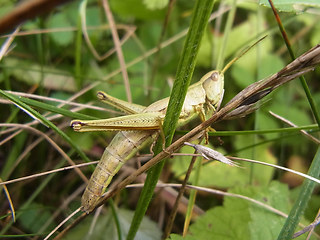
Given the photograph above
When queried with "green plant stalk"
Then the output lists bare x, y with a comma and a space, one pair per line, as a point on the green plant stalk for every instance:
16, 149
193, 194
226, 35
184, 73
262, 131
255, 139
115, 217
46, 122
300, 204
297, 210
293, 57
40, 51
77, 54
14, 111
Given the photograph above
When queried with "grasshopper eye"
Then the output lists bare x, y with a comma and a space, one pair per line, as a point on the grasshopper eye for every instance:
214, 76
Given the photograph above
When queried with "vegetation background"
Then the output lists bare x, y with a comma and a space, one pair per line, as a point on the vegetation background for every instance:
58, 57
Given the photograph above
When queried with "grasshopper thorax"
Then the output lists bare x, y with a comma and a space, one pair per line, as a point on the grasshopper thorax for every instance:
213, 83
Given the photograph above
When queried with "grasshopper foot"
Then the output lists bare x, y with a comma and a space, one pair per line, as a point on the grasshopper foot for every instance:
77, 125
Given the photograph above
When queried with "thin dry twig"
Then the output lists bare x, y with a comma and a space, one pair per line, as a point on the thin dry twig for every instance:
27, 10
5, 49
63, 222
48, 172
278, 167
65, 102
304, 132
129, 32
117, 45
174, 210
308, 228
128, 28
36, 131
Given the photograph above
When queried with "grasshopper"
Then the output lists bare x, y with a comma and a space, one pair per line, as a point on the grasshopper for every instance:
141, 126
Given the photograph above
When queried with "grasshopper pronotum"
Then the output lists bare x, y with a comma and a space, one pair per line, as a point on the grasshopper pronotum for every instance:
141, 126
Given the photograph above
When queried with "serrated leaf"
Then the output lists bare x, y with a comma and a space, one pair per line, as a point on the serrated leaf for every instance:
240, 219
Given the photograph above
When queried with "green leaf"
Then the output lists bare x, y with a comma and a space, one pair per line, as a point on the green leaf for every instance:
60, 20
83, 140
261, 174
136, 9
32, 74
296, 115
240, 219
155, 4
291, 5
301, 203
105, 228
34, 217
244, 71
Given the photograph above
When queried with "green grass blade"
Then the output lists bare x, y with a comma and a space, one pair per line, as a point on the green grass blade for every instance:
227, 30
184, 73
78, 54
193, 195
115, 217
302, 201
44, 121
55, 109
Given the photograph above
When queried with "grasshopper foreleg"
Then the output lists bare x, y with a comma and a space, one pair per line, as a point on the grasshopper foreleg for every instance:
129, 108
202, 116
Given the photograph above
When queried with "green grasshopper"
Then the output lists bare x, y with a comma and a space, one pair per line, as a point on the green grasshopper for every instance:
141, 126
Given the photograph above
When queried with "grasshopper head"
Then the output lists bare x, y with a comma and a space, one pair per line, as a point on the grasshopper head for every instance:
213, 83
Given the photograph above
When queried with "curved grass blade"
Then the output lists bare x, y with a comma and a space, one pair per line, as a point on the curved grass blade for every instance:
5, 189
302, 200
55, 109
185, 69
44, 121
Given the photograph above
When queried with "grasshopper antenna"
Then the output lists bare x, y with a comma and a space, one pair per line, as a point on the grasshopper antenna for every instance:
241, 54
